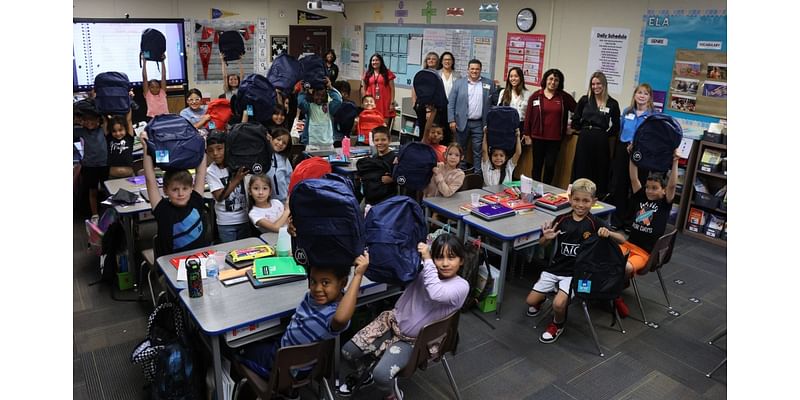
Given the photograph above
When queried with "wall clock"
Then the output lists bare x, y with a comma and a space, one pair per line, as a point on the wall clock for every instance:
526, 19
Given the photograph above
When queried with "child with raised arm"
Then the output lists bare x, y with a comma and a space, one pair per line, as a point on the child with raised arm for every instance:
438, 290
266, 213
570, 230
651, 204
434, 134
94, 164
230, 197
155, 94
120, 146
325, 101
281, 171
499, 168
324, 313
179, 217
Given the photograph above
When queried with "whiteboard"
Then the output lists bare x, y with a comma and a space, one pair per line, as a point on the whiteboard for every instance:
403, 47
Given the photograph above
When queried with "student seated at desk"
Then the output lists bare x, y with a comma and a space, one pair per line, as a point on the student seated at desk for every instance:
447, 177
571, 229
324, 313
181, 225
230, 197
266, 213
440, 289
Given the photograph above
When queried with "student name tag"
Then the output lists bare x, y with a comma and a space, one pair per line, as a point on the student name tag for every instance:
584, 286
146, 54
162, 156
249, 110
211, 125
604, 110
536, 103
362, 138
630, 117
485, 86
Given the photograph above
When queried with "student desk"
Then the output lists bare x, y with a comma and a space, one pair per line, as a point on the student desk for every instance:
450, 207
241, 305
171, 273
516, 232
270, 238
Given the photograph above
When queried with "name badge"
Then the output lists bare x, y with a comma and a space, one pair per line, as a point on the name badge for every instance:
604, 110
211, 125
485, 86
584, 286
536, 103
249, 110
162, 156
630, 117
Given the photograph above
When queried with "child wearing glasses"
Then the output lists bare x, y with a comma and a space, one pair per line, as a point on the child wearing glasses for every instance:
196, 110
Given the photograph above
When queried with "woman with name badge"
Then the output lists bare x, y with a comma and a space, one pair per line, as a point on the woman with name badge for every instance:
378, 82
597, 119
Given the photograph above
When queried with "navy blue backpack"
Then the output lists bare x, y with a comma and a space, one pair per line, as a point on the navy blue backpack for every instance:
393, 229
328, 221
429, 88
284, 72
111, 93
415, 163
256, 91
231, 45
501, 123
344, 118
153, 45
174, 143
599, 271
313, 71
655, 142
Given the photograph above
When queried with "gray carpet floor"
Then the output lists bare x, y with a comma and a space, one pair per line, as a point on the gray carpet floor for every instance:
668, 362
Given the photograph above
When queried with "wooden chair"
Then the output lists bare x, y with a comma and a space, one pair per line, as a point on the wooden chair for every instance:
317, 355
433, 341
660, 255
471, 181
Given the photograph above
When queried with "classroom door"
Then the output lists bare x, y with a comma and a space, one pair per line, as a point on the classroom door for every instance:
309, 39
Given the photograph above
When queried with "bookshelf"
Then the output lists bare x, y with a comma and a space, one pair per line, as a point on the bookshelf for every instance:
714, 178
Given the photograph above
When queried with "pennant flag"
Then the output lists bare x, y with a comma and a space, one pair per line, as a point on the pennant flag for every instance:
217, 13
207, 32
303, 16
251, 29
205, 56
216, 37
197, 27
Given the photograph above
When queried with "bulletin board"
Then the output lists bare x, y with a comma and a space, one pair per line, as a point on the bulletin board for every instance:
699, 83
664, 33
403, 48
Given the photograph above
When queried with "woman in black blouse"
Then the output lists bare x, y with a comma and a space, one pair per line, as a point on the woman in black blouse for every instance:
596, 119
331, 69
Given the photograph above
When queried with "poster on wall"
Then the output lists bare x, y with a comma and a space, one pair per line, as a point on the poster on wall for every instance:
608, 50
349, 59
278, 45
525, 51
664, 33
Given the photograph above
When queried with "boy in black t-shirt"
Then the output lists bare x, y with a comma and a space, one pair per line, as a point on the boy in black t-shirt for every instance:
571, 230
179, 217
652, 204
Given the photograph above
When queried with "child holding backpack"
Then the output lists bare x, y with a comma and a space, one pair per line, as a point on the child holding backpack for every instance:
266, 213
571, 230
440, 289
155, 96
281, 170
499, 169
230, 199
376, 189
179, 217
120, 146
318, 129
434, 134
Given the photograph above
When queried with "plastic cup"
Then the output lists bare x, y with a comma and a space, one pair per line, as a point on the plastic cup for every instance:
476, 199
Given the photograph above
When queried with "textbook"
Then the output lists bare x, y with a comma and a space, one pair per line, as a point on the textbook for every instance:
242, 258
517, 204
275, 271
553, 202
493, 211
507, 194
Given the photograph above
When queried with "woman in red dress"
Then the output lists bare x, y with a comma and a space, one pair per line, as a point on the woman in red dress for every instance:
378, 82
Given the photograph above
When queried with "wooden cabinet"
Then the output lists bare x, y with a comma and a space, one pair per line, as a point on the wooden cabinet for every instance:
714, 178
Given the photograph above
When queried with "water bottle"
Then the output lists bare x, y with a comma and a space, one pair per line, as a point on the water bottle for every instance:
212, 271
284, 245
194, 277
346, 146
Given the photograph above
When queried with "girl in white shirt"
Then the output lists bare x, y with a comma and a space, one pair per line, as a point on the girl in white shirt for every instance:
268, 215
499, 168
515, 94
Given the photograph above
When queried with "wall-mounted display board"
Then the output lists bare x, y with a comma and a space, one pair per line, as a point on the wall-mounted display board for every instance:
664, 33
699, 83
403, 48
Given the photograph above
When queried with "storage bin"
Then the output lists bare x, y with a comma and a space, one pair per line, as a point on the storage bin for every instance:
706, 200
124, 280
488, 304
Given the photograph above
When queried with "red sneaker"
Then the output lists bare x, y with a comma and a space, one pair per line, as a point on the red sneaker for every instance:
622, 308
551, 333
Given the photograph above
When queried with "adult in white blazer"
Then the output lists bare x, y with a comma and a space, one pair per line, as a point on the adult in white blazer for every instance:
468, 104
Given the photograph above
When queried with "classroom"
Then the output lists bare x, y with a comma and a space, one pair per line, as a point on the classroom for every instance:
545, 156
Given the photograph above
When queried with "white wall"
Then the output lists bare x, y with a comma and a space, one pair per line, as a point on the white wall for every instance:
566, 23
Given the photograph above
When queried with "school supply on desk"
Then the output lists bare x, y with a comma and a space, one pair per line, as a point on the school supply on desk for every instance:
176, 261
552, 201
124, 197
338, 159
244, 257
517, 204
491, 212
275, 271
137, 180
507, 194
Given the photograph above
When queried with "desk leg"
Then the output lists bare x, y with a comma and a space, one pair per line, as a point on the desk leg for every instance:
460, 229
133, 268
501, 280
217, 356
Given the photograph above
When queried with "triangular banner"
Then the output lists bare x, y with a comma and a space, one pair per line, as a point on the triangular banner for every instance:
217, 13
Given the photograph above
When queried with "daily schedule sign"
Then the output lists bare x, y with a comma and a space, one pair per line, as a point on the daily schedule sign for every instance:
608, 49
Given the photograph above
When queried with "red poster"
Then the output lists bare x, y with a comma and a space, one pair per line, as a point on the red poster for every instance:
526, 51
205, 56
